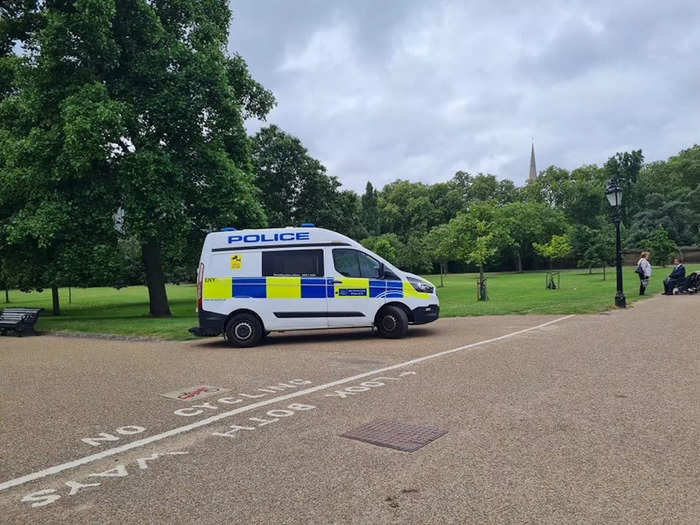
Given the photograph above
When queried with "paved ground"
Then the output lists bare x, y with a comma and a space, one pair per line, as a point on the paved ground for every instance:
585, 419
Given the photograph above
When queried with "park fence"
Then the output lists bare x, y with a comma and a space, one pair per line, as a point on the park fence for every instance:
691, 254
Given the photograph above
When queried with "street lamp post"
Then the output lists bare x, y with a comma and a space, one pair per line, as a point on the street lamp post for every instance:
614, 195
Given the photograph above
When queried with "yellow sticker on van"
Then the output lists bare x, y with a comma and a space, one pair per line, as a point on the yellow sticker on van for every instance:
236, 261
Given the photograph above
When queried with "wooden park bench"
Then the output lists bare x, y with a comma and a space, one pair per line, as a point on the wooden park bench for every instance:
19, 320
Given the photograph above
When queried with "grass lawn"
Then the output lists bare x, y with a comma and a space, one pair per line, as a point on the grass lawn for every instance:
125, 311
112, 311
525, 293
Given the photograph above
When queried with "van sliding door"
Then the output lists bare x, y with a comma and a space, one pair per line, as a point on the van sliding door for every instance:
295, 288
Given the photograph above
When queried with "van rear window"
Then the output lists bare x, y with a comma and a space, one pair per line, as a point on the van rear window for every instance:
303, 263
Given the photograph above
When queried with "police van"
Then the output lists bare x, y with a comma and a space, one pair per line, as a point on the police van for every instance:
253, 282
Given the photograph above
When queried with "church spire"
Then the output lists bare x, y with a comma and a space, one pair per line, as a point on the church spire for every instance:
533, 167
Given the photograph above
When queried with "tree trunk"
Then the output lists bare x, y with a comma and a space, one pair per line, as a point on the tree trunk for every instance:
590, 269
7, 295
482, 286
442, 274
603, 271
70, 296
518, 262
55, 301
155, 280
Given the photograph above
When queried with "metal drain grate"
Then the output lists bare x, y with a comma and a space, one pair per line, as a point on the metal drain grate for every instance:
392, 434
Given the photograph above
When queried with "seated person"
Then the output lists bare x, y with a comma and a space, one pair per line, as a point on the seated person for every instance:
675, 278
692, 283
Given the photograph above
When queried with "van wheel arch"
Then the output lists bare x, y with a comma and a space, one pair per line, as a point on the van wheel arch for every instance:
242, 311
243, 329
405, 308
392, 321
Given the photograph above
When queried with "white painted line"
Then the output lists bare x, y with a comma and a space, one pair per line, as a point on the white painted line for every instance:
223, 415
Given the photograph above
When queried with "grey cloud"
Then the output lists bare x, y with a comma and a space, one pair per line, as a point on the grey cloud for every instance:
382, 90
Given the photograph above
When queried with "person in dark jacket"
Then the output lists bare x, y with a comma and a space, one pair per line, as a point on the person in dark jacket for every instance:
675, 278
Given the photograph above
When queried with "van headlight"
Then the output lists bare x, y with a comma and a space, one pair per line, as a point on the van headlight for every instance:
420, 285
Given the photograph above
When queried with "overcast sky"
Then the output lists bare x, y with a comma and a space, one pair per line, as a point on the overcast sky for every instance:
418, 90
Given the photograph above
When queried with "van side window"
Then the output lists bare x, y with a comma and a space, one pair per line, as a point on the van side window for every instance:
353, 263
389, 275
296, 263
369, 267
346, 263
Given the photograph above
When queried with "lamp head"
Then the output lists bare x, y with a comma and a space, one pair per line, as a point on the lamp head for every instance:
614, 194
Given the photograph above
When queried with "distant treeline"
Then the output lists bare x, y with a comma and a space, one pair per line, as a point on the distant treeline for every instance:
562, 216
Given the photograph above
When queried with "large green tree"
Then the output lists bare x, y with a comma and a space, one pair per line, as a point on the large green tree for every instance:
295, 187
594, 246
528, 222
129, 108
661, 246
552, 187
558, 247
370, 211
484, 187
441, 248
387, 245
5, 281
579, 193
406, 207
347, 215
477, 236
625, 168
447, 199
57, 129
667, 193
687, 166
674, 212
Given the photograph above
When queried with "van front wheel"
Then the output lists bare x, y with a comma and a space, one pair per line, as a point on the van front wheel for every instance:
392, 322
244, 330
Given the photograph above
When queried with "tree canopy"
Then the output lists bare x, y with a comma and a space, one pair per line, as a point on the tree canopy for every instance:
129, 108
558, 247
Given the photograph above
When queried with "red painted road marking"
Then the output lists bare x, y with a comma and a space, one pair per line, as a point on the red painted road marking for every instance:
192, 394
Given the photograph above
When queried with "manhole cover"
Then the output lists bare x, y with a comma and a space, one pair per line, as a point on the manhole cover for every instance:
392, 434
192, 393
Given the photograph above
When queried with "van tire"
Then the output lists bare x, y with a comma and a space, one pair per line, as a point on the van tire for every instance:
243, 331
392, 322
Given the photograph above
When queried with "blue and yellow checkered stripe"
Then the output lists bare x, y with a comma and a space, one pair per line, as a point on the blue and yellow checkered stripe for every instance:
304, 288
267, 288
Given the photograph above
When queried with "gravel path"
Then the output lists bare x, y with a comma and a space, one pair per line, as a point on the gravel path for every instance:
587, 419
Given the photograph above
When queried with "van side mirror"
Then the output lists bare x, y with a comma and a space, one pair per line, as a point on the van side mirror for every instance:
381, 271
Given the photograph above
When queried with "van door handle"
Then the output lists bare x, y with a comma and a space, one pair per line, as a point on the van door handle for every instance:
337, 282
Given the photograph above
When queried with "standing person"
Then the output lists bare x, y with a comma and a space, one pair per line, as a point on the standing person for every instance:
644, 272
675, 278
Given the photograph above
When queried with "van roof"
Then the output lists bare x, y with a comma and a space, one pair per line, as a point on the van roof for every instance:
252, 238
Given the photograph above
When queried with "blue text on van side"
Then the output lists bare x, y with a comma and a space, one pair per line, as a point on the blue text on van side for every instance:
269, 237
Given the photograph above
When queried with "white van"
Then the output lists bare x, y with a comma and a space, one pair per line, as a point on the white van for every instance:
253, 282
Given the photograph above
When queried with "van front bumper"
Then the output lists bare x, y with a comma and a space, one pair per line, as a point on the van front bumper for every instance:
425, 314
210, 324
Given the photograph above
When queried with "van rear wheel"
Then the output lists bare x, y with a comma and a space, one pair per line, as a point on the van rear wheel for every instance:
392, 322
244, 330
